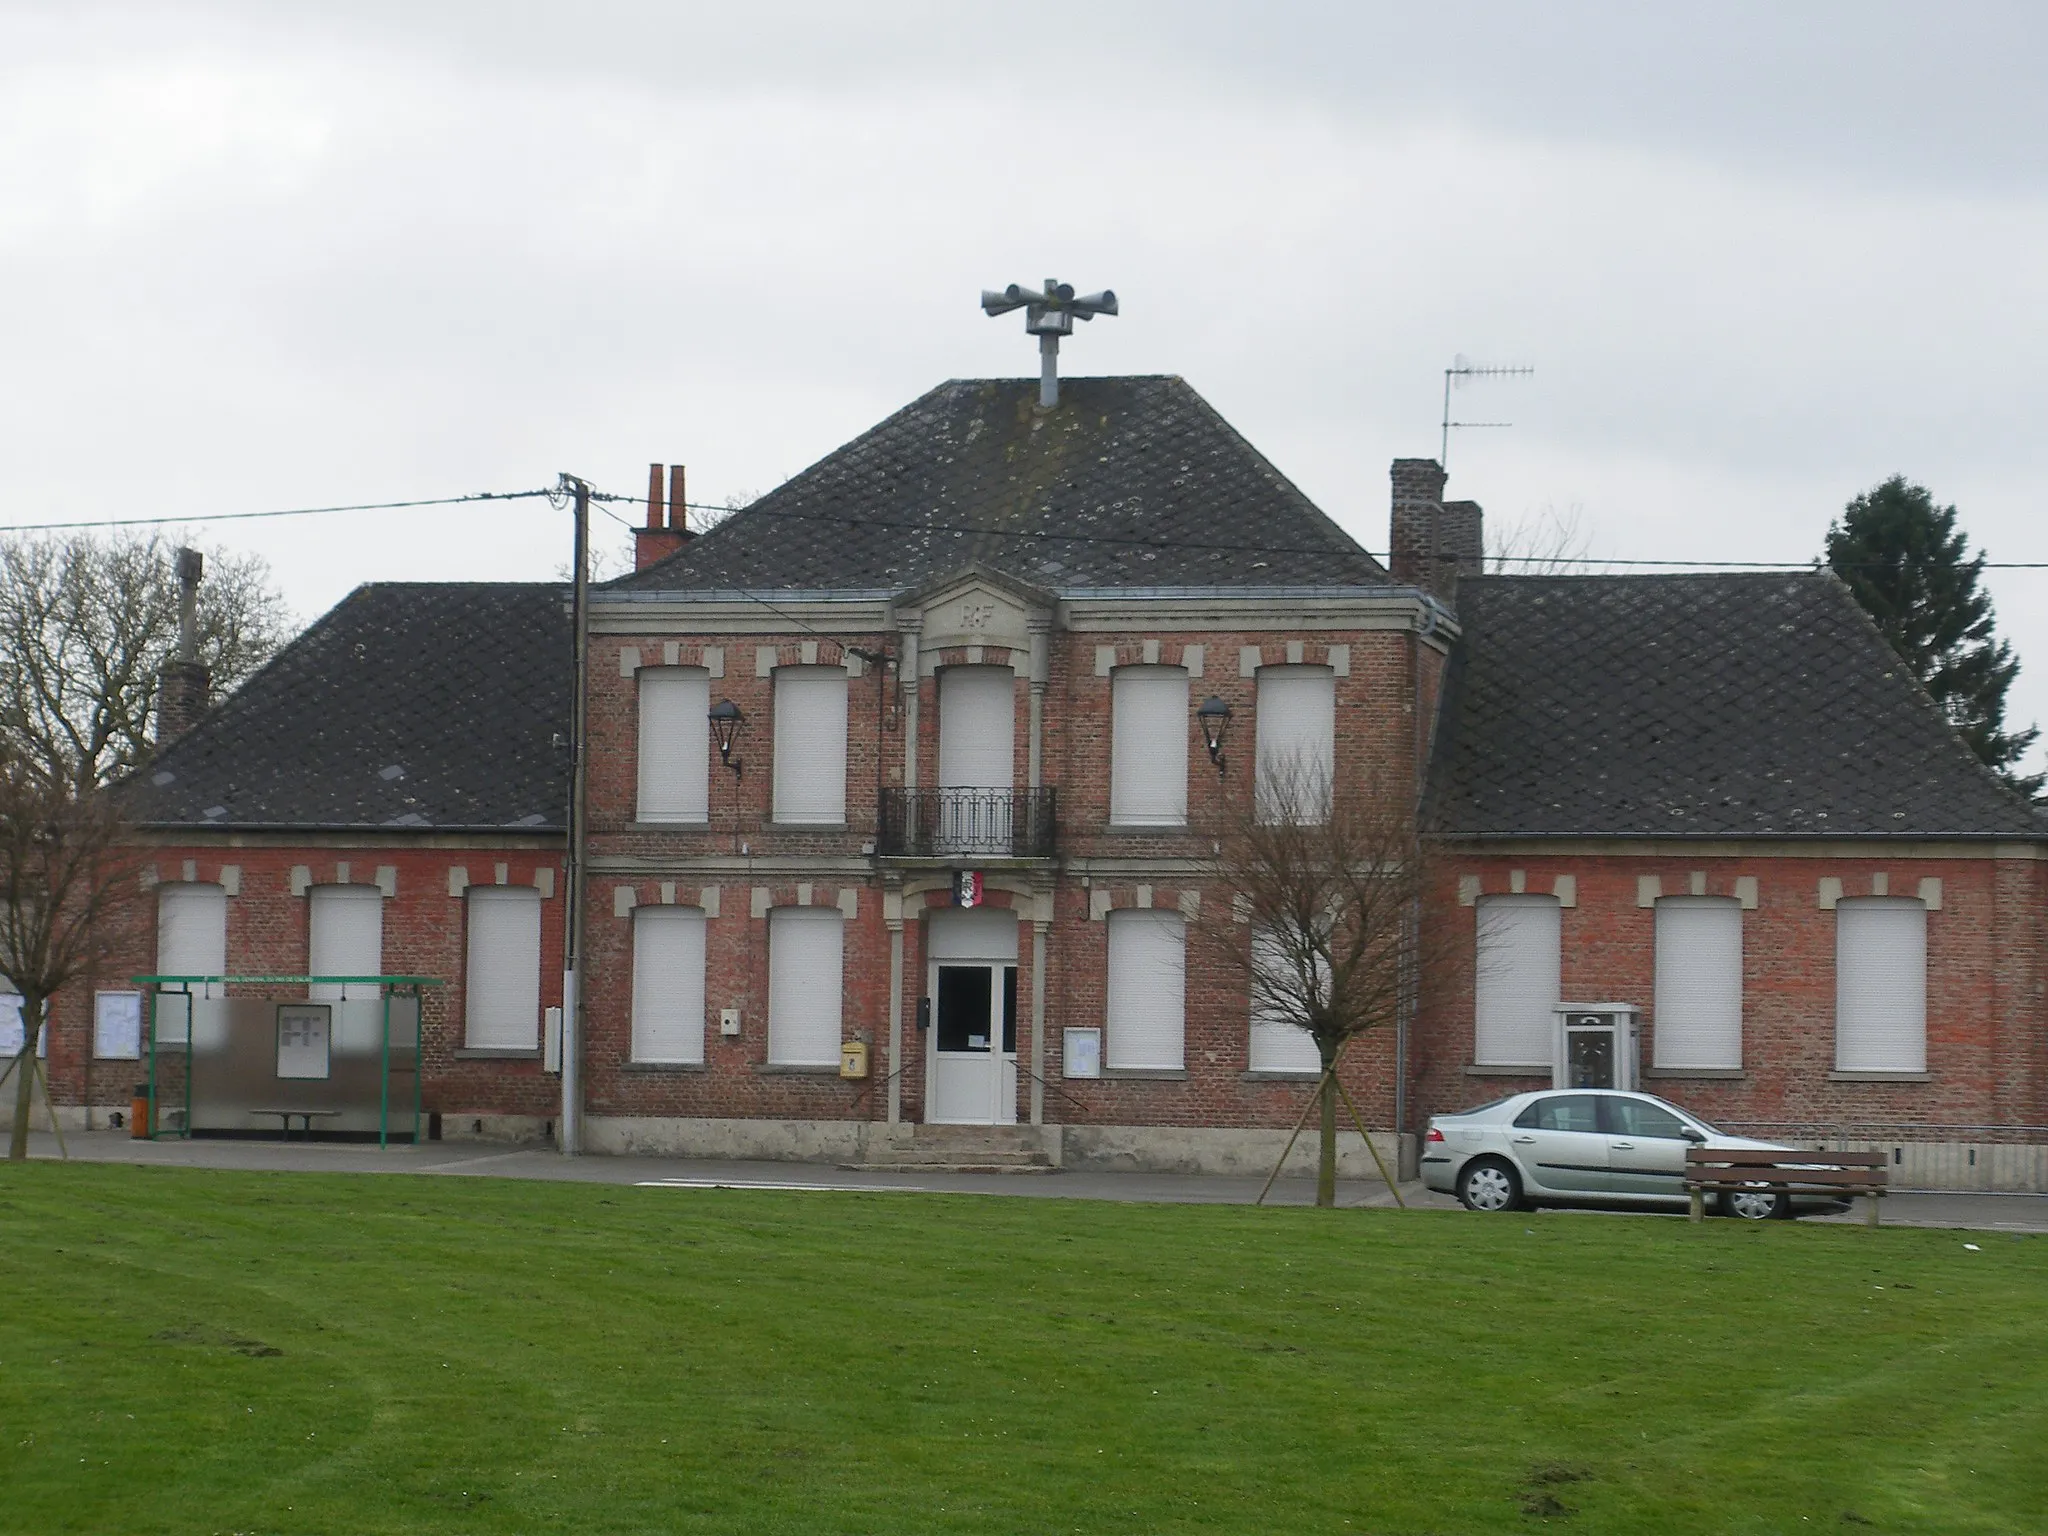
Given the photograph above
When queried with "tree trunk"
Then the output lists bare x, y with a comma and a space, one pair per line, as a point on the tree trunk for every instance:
24, 1076
1326, 1161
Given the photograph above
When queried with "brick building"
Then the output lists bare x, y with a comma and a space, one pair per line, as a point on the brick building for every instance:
907, 756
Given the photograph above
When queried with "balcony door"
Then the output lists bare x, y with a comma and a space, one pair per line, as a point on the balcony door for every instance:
977, 746
972, 1051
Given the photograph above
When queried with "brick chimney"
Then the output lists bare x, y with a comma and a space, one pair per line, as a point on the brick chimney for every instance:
664, 534
1461, 542
184, 686
1414, 534
1432, 541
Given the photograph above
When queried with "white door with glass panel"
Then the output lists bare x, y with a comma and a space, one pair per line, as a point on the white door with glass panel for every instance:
972, 984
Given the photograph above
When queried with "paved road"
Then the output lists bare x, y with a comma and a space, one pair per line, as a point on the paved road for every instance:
1996, 1213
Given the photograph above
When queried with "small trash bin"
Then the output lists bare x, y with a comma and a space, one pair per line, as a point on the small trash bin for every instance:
138, 1113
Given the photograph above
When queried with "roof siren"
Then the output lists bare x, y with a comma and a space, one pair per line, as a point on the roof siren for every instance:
1049, 314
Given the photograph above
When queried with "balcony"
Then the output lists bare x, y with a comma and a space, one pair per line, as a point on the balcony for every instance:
989, 823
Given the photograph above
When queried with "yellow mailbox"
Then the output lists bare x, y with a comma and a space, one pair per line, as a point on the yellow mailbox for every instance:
853, 1058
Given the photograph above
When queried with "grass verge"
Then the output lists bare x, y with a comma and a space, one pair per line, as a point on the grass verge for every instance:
201, 1351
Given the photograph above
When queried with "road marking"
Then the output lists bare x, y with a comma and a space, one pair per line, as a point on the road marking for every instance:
855, 1189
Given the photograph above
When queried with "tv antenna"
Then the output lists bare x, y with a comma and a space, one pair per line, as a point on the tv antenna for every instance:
1048, 315
1462, 372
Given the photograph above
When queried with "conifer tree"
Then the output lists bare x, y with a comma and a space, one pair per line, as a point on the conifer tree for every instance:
1911, 569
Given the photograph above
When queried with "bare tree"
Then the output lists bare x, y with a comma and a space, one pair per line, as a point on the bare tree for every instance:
1546, 542
86, 625
1327, 883
67, 880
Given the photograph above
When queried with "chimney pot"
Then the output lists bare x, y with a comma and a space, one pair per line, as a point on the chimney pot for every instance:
654, 496
678, 503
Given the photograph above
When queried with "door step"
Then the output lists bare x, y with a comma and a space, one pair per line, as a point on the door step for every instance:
960, 1149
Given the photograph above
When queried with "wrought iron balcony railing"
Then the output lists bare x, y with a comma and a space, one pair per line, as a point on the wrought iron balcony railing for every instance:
997, 823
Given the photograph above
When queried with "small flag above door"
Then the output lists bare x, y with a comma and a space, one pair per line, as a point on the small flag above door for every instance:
967, 888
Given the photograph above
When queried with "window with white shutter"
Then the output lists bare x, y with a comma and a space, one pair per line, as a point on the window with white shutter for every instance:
1278, 1043
1148, 747
668, 984
192, 932
501, 1000
977, 727
810, 747
1147, 1023
346, 939
1297, 741
1698, 1019
675, 744
1516, 982
1880, 984
805, 977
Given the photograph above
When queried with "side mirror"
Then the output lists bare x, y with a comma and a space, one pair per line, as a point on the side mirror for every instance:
1694, 1135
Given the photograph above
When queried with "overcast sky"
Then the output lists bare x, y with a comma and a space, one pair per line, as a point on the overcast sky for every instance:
1761, 256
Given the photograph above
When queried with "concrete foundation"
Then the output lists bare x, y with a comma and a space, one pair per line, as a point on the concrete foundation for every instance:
1176, 1149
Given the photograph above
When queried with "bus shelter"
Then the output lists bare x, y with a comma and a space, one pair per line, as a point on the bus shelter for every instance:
230, 1057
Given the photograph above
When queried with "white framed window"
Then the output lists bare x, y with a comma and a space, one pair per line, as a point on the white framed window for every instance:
1147, 1023
1698, 1020
1148, 747
192, 932
345, 938
501, 996
1516, 985
805, 981
810, 747
1297, 738
1880, 984
1278, 1043
675, 744
668, 984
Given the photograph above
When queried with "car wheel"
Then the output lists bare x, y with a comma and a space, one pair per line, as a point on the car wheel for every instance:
1759, 1204
1488, 1184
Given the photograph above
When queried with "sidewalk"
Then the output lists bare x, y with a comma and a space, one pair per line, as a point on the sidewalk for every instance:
1977, 1212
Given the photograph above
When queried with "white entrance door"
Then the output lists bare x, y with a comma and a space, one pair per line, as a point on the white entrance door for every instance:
972, 983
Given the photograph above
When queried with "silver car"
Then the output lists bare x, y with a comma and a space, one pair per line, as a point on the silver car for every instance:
1580, 1146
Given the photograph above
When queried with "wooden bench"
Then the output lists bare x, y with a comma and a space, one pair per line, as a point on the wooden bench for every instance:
304, 1116
1725, 1170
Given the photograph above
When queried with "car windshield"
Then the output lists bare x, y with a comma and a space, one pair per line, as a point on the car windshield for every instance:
1476, 1109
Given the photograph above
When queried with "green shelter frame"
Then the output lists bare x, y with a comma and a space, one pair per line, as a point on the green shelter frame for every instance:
415, 987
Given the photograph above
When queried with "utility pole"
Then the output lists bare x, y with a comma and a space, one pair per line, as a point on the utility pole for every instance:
571, 1138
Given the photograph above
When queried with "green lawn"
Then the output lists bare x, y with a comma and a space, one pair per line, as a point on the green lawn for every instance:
188, 1351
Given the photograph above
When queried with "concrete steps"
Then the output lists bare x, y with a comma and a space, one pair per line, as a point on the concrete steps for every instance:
958, 1149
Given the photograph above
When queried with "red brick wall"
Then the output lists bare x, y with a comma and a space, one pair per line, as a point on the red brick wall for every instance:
424, 935
1984, 983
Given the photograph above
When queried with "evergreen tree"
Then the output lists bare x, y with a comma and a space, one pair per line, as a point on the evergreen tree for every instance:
1912, 571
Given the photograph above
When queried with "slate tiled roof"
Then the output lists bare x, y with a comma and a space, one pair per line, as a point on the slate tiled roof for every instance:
1690, 706
409, 705
974, 472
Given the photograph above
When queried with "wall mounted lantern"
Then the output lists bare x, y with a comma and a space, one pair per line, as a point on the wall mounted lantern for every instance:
1215, 717
726, 721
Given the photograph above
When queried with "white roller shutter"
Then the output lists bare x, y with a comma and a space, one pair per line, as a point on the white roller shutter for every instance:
1147, 990
804, 985
1698, 1021
347, 938
1516, 984
1880, 985
501, 1002
1278, 1044
1297, 734
192, 932
977, 727
810, 747
1148, 747
675, 743
668, 984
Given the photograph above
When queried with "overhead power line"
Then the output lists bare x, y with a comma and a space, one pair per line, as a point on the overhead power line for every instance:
236, 517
